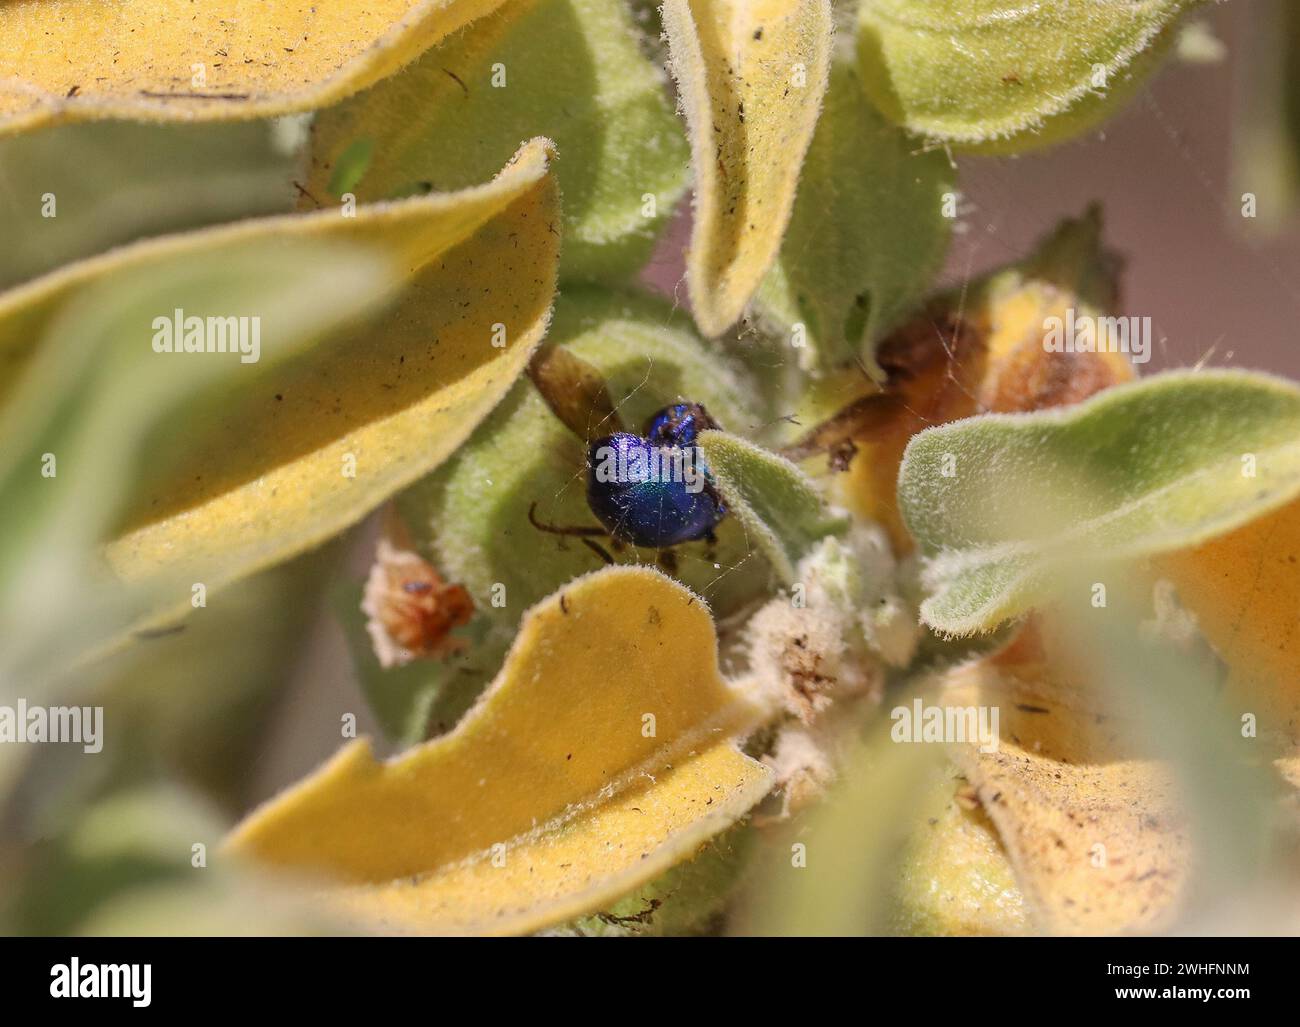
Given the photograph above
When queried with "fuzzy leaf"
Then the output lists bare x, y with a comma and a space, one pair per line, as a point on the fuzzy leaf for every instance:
1064, 780
779, 506
480, 258
176, 61
1005, 74
866, 234
473, 514
568, 69
553, 765
1144, 468
1244, 589
954, 877
425, 370
750, 77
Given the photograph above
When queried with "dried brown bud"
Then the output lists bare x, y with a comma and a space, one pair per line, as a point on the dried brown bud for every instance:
411, 610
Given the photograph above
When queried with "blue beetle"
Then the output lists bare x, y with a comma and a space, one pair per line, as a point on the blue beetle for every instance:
678, 425
652, 490
651, 495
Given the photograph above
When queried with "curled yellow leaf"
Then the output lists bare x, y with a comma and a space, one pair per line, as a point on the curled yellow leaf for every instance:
301, 448
1094, 828
955, 878
1244, 588
600, 756
172, 60
350, 423
751, 75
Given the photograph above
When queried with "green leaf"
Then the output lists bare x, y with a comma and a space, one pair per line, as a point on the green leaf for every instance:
780, 508
471, 518
867, 231
1007, 74
1000, 503
568, 69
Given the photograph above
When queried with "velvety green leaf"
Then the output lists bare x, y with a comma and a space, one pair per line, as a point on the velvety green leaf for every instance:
568, 69
780, 508
866, 234
997, 502
471, 518
1007, 74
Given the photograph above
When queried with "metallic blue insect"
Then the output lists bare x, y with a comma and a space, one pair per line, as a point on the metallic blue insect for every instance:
651, 490
649, 495
678, 425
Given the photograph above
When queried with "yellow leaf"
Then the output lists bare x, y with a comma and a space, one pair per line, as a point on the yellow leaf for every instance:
307, 446
600, 756
173, 60
1094, 829
750, 75
954, 877
1244, 588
